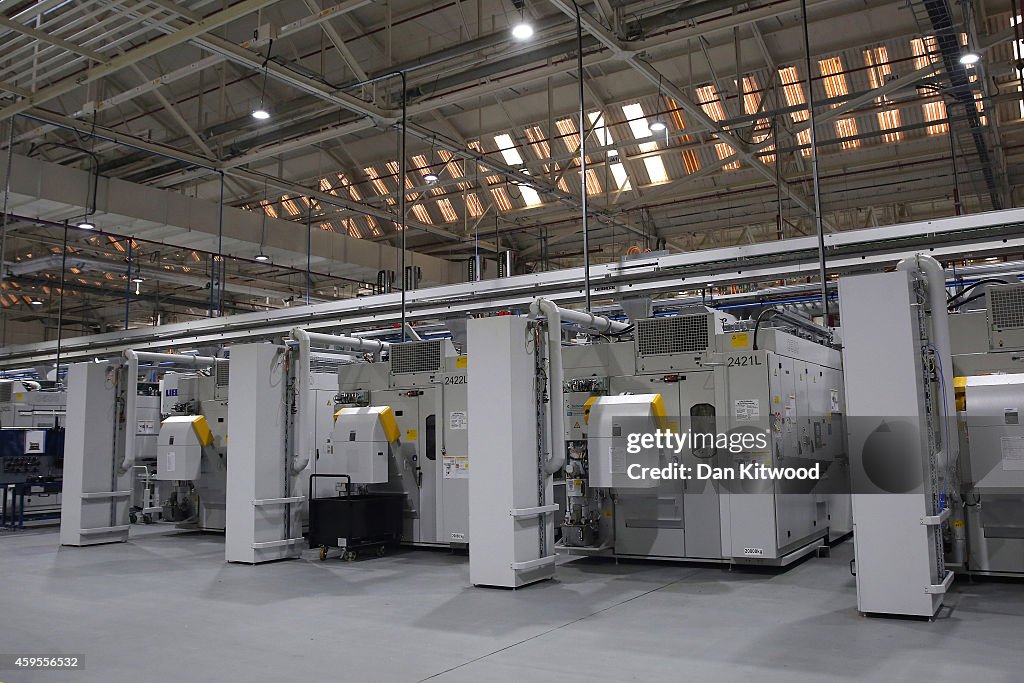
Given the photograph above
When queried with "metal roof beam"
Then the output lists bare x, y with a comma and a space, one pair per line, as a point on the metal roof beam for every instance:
154, 47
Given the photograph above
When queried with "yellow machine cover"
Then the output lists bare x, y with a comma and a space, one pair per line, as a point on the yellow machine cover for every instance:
383, 413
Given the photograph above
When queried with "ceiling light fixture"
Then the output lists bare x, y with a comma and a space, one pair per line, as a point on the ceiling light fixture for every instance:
521, 30
260, 113
85, 224
429, 176
968, 58
36, 302
261, 256
658, 125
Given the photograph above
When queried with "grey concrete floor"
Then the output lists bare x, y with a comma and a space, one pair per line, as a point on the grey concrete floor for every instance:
165, 606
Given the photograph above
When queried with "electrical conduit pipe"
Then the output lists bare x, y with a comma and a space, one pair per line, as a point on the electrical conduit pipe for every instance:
936, 279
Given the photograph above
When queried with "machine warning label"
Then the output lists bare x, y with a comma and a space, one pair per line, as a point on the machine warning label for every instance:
169, 459
457, 420
753, 552
456, 466
457, 537
1013, 452
833, 401
740, 340
747, 409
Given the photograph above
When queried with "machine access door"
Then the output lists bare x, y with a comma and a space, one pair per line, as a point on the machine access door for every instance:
452, 438
649, 521
700, 497
414, 464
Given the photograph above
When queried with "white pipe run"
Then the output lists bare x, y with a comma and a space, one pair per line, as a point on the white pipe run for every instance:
555, 458
937, 302
583, 320
304, 439
132, 391
587, 321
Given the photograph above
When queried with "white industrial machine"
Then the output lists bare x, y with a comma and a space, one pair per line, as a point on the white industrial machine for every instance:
31, 429
363, 442
903, 444
192, 448
31, 448
111, 459
769, 396
703, 373
406, 414
988, 360
31, 404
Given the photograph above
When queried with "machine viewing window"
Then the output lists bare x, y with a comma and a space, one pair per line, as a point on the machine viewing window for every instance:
702, 418
431, 432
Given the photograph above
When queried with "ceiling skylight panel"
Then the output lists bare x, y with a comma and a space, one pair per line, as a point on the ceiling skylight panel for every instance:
501, 198
690, 161
530, 196
421, 213
723, 151
454, 166
508, 150
846, 129
833, 77
473, 205
393, 170
620, 176
378, 183
291, 206
447, 210
637, 120
656, 170
353, 191
374, 227
879, 71
570, 136
423, 166
538, 143
601, 131
710, 102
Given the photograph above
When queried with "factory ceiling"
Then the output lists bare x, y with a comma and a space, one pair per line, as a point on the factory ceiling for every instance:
695, 114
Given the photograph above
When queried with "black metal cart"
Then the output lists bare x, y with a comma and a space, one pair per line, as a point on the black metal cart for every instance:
354, 522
